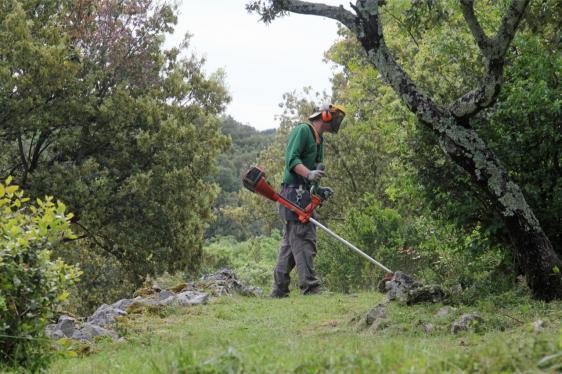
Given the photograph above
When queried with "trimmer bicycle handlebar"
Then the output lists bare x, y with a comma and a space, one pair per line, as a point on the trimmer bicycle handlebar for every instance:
254, 180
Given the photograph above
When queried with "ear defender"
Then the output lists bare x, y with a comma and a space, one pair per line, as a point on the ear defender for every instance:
327, 116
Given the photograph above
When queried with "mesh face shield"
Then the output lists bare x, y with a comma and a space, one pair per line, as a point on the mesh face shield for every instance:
337, 119
337, 112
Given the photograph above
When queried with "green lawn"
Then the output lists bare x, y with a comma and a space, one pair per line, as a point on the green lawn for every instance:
317, 334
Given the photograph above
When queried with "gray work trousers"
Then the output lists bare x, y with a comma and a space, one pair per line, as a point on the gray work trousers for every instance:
298, 248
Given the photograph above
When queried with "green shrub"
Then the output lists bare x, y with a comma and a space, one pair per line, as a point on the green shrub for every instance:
252, 260
31, 283
429, 249
103, 279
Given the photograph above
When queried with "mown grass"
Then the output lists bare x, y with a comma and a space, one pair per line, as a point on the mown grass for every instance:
316, 334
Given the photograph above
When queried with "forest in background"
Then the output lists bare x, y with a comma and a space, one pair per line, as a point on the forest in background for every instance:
132, 138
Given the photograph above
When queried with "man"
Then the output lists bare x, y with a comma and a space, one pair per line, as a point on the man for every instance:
303, 154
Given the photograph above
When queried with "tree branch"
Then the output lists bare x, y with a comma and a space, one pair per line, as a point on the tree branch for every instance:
23, 161
478, 33
108, 248
401, 24
510, 23
316, 9
370, 35
494, 52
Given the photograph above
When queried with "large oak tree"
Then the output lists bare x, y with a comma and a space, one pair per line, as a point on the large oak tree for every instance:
94, 111
451, 123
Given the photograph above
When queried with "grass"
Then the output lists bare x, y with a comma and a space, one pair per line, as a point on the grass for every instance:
316, 334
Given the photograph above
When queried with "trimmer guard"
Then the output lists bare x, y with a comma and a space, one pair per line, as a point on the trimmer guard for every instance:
252, 178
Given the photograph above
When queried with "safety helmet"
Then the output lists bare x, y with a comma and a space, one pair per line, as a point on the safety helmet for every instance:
330, 113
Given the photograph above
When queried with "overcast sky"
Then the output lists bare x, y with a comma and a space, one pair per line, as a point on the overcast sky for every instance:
261, 61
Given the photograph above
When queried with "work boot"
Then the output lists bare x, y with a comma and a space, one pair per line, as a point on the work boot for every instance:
317, 290
276, 294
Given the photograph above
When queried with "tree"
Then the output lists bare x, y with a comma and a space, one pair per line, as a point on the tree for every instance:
451, 124
95, 112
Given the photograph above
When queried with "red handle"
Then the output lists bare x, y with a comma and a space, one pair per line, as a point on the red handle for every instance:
303, 214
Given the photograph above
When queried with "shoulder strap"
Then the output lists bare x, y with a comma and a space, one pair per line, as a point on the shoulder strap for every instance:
316, 140
314, 133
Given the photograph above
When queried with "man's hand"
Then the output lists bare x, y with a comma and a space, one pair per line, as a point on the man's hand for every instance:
315, 175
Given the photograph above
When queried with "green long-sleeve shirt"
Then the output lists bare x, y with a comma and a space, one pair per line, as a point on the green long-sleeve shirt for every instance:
302, 148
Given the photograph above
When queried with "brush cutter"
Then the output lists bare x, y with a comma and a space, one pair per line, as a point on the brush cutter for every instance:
254, 180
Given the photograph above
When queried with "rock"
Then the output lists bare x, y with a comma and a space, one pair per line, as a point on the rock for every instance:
52, 332
168, 301
123, 304
164, 294
191, 298
405, 289
444, 311
95, 330
538, 325
432, 294
428, 327
66, 328
148, 301
377, 312
66, 325
381, 286
399, 286
89, 331
224, 282
157, 288
105, 315
466, 322
374, 320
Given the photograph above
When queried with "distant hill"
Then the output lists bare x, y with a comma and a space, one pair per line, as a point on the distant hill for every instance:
247, 143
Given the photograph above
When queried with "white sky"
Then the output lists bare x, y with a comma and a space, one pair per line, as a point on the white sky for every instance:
261, 61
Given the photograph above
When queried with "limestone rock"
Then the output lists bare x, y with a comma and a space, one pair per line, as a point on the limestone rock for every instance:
52, 332
191, 298
466, 322
88, 331
123, 304
538, 325
374, 320
224, 282
168, 301
164, 294
377, 312
405, 289
66, 325
105, 315
428, 327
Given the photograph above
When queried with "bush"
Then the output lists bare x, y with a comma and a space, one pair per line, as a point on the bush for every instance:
103, 278
252, 260
431, 250
31, 284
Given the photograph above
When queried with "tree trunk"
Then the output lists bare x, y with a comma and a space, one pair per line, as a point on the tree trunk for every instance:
532, 249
